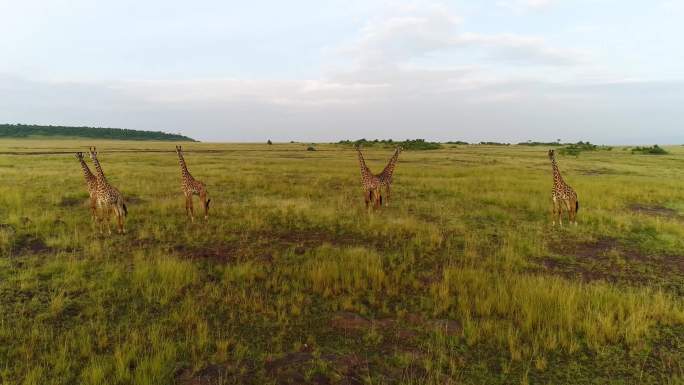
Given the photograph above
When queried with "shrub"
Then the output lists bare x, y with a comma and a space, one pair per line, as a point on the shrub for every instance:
653, 150
545, 144
577, 148
408, 144
269, 142
311, 148
495, 144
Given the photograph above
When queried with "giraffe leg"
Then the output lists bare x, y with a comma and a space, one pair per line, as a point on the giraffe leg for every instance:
190, 208
188, 202
100, 216
108, 218
554, 212
120, 219
367, 196
568, 203
559, 212
573, 211
205, 203
93, 208
100, 219
387, 198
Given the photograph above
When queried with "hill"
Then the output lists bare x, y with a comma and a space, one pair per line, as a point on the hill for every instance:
26, 130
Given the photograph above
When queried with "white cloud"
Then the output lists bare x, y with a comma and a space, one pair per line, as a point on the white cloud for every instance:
399, 39
522, 6
411, 70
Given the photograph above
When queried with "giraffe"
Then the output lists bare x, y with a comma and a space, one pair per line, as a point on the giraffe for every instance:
385, 176
371, 184
190, 187
91, 184
109, 199
562, 194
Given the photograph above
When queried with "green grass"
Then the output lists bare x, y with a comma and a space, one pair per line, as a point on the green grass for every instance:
461, 280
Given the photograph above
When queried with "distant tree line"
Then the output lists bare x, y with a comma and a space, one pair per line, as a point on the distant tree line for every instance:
409, 144
28, 130
532, 143
579, 147
495, 144
653, 150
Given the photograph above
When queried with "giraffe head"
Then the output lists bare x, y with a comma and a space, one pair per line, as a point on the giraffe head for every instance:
93, 153
552, 154
179, 150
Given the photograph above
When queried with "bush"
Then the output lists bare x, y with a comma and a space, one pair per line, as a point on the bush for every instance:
311, 148
409, 144
269, 142
545, 144
577, 148
495, 144
653, 150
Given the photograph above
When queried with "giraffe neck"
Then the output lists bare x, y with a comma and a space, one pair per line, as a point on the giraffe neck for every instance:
557, 178
389, 169
86, 170
365, 172
100, 174
184, 168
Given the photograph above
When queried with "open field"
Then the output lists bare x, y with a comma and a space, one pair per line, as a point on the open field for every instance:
461, 280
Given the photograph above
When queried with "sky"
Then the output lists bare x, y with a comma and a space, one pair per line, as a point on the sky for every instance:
608, 71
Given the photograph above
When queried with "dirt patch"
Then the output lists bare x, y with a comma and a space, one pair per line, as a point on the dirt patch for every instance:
309, 239
224, 253
291, 368
448, 327
345, 369
133, 199
31, 244
301, 241
654, 210
219, 374
261, 246
609, 260
71, 201
596, 171
591, 249
351, 321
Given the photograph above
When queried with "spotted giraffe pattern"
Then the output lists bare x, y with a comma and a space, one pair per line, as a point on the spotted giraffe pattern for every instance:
385, 177
109, 199
91, 184
370, 182
562, 195
190, 187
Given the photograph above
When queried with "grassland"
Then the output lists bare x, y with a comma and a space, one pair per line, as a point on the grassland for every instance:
461, 280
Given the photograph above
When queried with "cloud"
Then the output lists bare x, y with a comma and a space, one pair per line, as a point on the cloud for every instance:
522, 6
399, 39
470, 105
410, 70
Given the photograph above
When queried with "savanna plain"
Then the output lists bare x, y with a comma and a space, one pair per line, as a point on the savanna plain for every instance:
462, 279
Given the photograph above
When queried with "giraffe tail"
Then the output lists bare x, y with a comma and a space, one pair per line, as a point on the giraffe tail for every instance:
125, 209
576, 206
